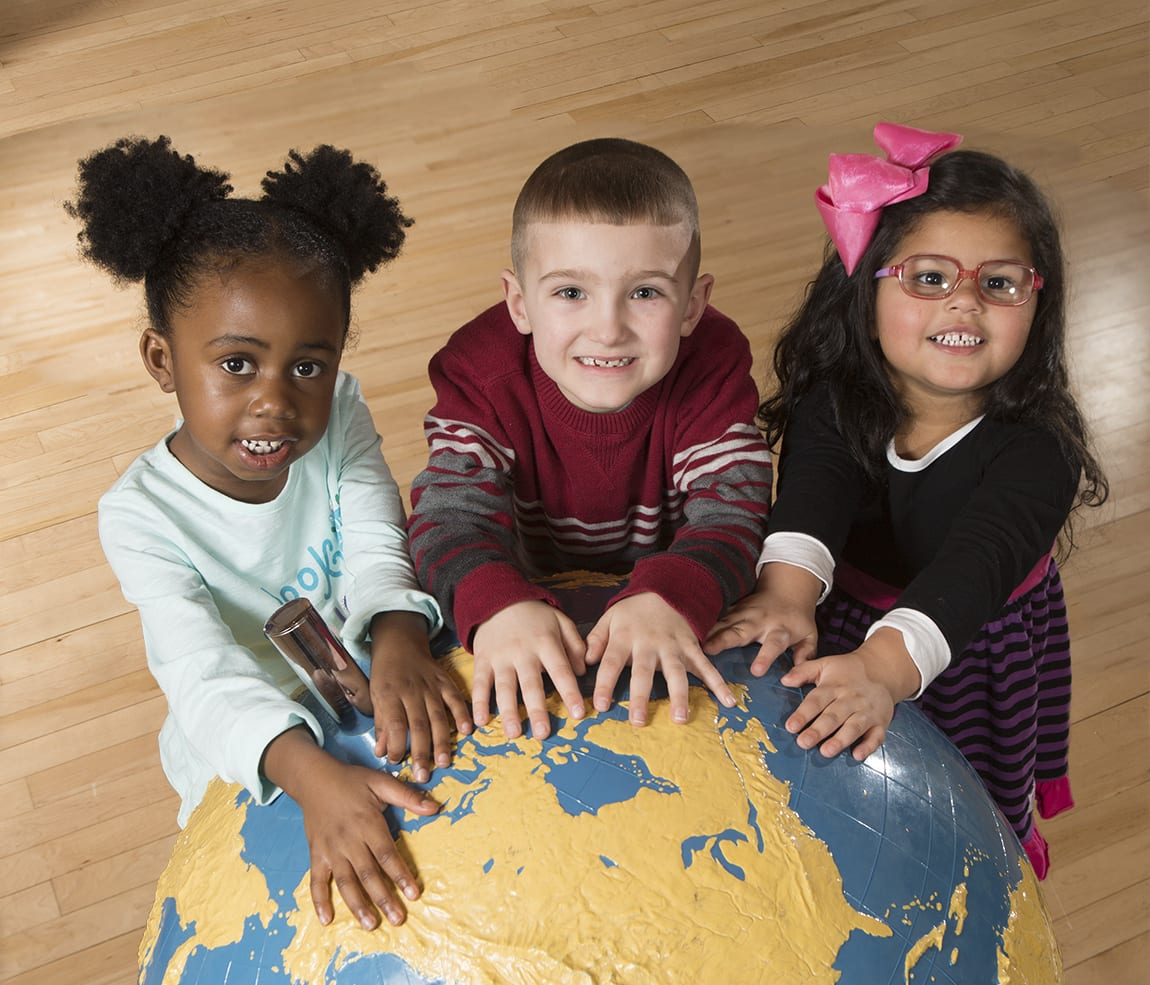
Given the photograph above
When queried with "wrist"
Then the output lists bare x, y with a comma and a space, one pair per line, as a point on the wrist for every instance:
398, 622
289, 756
797, 585
889, 663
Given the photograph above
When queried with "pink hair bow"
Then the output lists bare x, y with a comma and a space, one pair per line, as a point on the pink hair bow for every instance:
859, 185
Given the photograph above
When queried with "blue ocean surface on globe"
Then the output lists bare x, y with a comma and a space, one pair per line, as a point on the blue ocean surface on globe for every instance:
904, 828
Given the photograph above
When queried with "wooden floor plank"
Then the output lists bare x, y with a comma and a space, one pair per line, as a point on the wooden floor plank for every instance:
456, 102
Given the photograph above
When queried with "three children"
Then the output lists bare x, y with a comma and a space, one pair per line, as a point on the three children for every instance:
601, 416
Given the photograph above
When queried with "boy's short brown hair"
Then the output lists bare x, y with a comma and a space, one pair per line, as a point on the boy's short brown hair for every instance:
609, 180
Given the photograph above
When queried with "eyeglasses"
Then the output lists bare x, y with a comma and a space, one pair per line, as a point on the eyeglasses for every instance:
932, 278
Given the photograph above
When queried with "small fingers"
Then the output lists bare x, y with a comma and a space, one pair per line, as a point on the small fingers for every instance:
709, 674
606, 677
535, 701
872, 739
804, 650
507, 701
320, 884
362, 883
457, 707
727, 635
595, 648
773, 645
563, 677
421, 745
481, 692
678, 694
642, 681
575, 646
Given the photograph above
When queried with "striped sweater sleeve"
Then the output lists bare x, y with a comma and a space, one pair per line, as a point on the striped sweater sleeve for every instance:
462, 516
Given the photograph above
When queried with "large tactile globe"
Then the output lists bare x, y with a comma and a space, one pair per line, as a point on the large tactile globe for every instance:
712, 852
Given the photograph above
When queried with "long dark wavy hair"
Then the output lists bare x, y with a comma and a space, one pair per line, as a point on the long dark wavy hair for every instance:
830, 339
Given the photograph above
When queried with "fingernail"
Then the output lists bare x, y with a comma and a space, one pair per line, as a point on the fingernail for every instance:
394, 916
366, 921
421, 775
679, 716
410, 890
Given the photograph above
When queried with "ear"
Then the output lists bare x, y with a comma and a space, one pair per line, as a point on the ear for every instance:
156, 351
697, 303
516, 304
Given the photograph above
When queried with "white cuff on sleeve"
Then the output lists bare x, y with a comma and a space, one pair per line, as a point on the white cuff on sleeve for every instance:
801, 550
923, 640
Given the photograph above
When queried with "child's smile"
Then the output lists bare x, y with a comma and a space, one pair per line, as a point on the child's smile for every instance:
606, 306
253, 361
266, 453
952, 348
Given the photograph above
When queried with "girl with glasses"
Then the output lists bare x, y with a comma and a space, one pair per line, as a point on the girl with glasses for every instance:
931, 456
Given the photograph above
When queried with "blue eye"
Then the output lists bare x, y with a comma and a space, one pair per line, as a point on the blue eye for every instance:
645, 293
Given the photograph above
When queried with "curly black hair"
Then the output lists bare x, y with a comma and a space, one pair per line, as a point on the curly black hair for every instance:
150, 214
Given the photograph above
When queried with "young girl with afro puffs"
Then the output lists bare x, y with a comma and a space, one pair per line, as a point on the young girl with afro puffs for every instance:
271, 487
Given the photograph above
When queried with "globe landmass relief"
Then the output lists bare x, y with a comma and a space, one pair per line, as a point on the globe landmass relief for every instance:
717, 851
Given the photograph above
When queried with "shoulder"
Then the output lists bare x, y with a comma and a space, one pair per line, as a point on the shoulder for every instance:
717, 348
143, 506
716, 329
995, 436
144, 479
488, 335
487, 355
1032, 447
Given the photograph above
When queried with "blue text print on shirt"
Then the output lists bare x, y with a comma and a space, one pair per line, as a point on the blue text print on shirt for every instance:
326, 562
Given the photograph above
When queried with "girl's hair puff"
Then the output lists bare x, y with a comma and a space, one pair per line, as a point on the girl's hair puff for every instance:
150, 214
830, 338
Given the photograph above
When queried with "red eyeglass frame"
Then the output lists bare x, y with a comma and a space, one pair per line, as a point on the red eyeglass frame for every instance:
896, 270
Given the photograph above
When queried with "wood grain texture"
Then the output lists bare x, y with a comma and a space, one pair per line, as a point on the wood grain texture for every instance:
456, 102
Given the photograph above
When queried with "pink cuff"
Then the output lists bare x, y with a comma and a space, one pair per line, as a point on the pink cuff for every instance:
1052, 797
1038, 852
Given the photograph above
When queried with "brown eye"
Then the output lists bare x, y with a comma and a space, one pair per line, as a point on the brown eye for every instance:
236, 365
308, 370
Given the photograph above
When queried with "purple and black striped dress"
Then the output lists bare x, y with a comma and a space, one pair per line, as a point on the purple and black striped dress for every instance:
964, 535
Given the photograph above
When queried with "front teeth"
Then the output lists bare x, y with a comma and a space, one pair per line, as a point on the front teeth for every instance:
956, 339
605, 363
261, 447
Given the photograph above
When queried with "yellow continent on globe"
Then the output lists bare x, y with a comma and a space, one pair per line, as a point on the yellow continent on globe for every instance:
707, 876
518, 890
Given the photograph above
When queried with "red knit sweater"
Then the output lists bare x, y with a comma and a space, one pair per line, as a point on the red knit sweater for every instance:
520, 482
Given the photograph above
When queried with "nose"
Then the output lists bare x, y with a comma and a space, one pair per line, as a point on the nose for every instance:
273, 399
609, 324
966, 295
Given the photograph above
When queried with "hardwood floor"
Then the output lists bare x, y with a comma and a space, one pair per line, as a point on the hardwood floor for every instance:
456, 102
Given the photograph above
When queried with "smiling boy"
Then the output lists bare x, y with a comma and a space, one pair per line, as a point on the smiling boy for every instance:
601, 417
